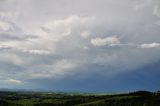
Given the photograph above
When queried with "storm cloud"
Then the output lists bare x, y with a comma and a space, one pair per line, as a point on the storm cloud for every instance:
58, 39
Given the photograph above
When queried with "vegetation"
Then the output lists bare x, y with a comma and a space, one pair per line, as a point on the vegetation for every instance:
139, 98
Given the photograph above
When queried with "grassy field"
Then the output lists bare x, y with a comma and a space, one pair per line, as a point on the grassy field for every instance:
139, 98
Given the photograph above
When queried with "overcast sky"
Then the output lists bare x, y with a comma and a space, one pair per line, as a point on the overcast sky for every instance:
80, 45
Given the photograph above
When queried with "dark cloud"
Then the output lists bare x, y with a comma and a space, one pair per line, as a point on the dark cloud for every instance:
58, 39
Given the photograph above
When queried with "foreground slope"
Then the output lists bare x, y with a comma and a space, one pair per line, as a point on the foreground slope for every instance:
139, 98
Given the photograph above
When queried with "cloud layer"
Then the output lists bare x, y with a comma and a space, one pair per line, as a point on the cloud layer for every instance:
56, 39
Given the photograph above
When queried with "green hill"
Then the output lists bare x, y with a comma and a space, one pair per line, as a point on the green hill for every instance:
139, 98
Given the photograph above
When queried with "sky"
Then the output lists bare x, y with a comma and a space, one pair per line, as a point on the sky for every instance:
80, 45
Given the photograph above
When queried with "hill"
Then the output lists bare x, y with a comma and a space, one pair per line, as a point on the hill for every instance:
138, 98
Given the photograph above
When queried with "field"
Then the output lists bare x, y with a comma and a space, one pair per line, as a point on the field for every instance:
139, 98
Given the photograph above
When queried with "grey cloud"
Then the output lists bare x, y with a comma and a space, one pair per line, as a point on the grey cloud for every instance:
64, 30
10, 30
9, 36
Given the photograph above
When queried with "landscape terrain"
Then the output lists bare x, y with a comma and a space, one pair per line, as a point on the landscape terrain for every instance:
33, 98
